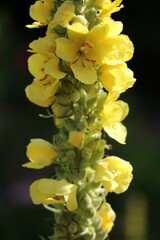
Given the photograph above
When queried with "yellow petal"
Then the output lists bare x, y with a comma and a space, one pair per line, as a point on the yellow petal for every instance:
44, 46
116, 78
84, 71
64, 14
66, 50
51, 191
118, 172
41, 153
77, 33
35, 25
108, 216
72, 201
122, 49
41, 92
117, 131
36, 65
41, 10
111, 116
33, 165
125, 109
76, 138
52, 68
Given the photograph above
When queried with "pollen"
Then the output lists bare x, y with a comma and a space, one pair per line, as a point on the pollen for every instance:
87, 46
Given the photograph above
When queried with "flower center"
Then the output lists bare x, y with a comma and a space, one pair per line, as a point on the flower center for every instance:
87, 46
83, 52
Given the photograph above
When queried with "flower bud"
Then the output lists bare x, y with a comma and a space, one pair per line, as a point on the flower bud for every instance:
60, 231
73, 227
76, 138
80, 19
86, 153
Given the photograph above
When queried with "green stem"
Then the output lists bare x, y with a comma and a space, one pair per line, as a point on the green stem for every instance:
77, 165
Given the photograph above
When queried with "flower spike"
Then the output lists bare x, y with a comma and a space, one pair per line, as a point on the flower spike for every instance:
79, 70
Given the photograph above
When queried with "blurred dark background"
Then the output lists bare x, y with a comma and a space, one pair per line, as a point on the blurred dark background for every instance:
138, 208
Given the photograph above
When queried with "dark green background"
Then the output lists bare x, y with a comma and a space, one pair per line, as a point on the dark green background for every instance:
19, 122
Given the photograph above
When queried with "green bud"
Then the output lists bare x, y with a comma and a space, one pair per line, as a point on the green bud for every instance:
63, 99
70, 154
63, 219
92, 101
73, 227
70, 124
91, 14
85, 200
98, 151
97, 222
89, 173
60, 231
97, 202
91, 212
86, 153
102, 233
75, 96
91, 233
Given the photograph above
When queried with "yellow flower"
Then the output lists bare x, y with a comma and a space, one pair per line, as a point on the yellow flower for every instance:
44, 66
44, 45
108, 216
111, 116
76, 138
42, 91
41, 10
40, 153
50, 191
86, 50
115, 173
108, 7
63, 15
116, 78
39, 66
44, 61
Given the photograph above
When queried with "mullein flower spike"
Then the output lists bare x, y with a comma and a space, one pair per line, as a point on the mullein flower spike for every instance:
79, 70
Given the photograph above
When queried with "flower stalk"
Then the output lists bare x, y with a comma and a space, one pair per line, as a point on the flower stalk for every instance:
79, 71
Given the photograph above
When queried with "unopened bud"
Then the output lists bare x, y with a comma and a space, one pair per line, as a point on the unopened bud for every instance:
76, 138
73, 227
80, 19
60, 231
86, 153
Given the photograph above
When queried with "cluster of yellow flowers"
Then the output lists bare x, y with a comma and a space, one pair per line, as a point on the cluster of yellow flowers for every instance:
80, 70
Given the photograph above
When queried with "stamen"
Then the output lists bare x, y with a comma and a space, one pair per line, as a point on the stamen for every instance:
75, 61
42, 79
88, 44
